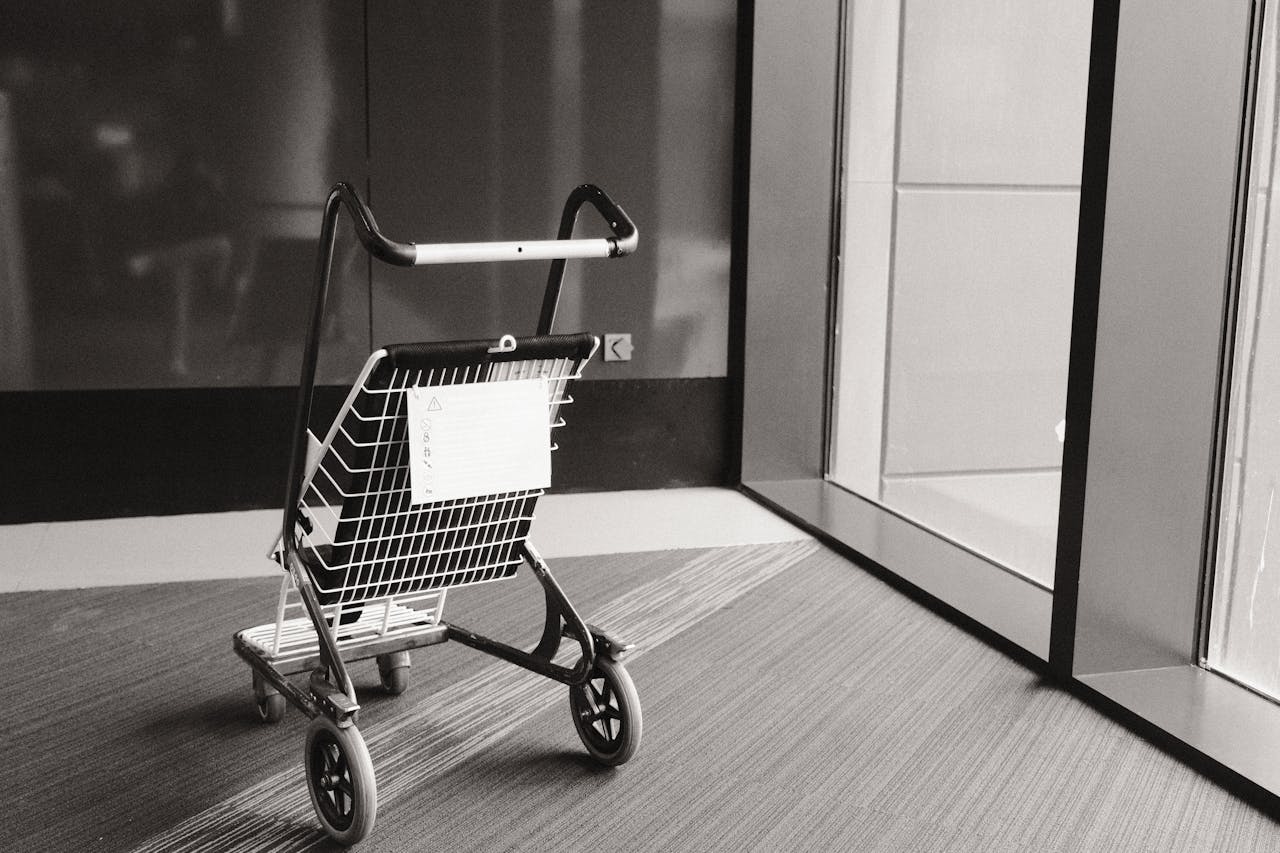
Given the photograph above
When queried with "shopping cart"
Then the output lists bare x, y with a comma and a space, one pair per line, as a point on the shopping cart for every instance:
380, 522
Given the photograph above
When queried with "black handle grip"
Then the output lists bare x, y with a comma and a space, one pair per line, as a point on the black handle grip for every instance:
625, 239
388, 251
623, 228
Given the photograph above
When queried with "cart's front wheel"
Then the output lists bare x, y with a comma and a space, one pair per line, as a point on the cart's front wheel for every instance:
340, 780
393, 669
606, 713
269, 702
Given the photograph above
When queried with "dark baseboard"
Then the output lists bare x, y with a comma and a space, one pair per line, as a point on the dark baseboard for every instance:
104, 454
644, 434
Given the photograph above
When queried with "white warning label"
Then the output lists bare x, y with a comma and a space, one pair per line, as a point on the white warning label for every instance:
477, 439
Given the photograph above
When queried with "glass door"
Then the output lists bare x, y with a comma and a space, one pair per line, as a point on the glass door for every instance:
963, 145
1244, 626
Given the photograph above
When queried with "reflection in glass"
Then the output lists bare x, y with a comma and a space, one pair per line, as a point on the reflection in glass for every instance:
964, 138
164, 166
517, 109
163, 169
1244, 627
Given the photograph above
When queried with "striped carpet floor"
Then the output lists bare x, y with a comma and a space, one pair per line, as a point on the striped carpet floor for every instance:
791, 702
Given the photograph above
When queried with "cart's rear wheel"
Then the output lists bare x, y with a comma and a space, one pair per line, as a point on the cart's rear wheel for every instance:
340, 780
606, 713
393, 669
269, 701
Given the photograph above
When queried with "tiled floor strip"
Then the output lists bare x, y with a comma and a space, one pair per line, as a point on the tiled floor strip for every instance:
427, 739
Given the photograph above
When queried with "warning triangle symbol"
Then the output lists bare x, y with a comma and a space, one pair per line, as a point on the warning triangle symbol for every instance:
434, 405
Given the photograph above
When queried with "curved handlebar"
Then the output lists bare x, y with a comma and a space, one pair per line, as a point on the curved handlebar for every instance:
389, 251
624, 241
623, 228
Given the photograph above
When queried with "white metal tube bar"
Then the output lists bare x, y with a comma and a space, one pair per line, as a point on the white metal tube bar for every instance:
528, 250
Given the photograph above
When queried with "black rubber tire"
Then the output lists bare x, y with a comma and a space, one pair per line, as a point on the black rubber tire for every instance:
271, 708
606, 713
269, 702
340, 780
393, 671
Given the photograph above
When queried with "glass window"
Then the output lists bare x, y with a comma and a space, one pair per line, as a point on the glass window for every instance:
1244, 632
964, 137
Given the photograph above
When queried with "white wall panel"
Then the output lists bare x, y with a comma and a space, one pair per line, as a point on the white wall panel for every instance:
993, 91
980, 329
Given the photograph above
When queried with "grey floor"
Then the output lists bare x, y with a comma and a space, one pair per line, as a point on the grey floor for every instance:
791, 702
